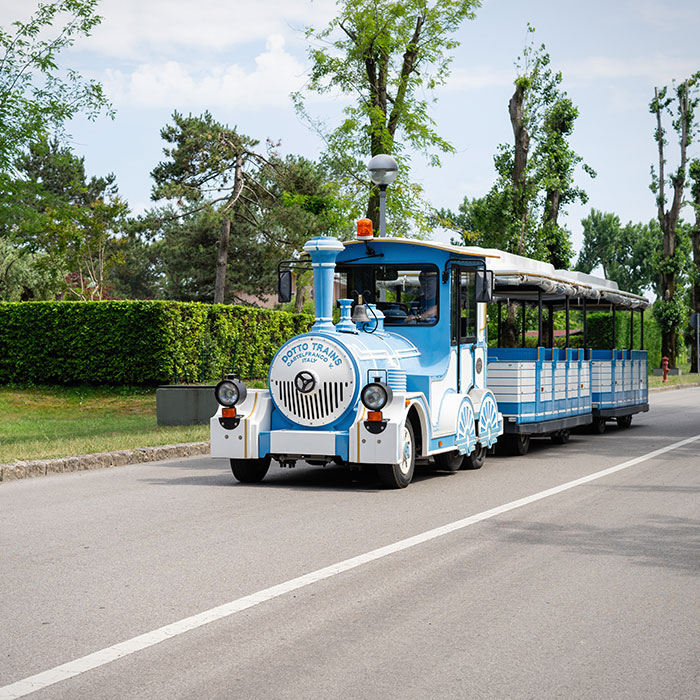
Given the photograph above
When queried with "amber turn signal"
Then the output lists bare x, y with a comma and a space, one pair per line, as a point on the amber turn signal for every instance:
228, 412
374, 415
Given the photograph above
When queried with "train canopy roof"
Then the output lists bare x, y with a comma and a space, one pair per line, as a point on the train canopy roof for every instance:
518, 278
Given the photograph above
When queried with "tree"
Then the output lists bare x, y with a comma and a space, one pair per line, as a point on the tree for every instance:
207, 170
213, 177
74, 222
535, 176
669, 308
627, 253
26, 276
535, 173
694, 172
386, 55
36, 96
287, 200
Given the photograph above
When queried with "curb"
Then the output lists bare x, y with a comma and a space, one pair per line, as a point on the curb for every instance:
45, 467
674, 387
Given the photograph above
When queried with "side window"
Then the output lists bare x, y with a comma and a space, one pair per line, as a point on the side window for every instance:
463, 307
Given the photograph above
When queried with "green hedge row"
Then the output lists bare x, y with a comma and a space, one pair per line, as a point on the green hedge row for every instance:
137, 342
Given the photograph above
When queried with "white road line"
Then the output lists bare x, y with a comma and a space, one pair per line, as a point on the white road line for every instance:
117, 651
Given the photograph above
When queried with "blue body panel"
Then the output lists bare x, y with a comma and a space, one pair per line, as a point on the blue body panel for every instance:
619, 378
539, 384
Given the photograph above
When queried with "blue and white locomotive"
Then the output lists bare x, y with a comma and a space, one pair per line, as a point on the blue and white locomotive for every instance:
406, 373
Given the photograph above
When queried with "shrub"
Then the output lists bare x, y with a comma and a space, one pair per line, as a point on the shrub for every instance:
137, 342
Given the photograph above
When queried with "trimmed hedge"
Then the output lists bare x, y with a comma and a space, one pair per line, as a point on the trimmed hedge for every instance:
137, 342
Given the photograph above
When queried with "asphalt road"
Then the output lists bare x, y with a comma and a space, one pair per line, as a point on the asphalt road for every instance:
590, 592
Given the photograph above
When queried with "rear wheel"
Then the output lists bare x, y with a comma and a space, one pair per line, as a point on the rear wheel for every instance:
561, 437
250, 471
624, 421
598, 426
517, 444
449, 461
398, 476
475, 460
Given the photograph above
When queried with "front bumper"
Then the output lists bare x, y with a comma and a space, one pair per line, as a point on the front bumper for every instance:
252, 437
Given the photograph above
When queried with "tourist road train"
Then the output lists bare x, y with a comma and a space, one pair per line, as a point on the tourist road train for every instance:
405, 372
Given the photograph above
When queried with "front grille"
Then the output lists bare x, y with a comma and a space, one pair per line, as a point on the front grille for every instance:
334, 381
317, 405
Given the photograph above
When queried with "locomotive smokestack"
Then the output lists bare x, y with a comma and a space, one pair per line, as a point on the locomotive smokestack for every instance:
323, 251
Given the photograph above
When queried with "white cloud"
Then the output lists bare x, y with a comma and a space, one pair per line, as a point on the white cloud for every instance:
142, 29
177, 83
480, 77
657, 69
667, 16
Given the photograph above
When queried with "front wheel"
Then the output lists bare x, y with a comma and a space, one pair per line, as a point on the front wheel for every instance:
475, 460
517, 444
399, 476
449, 461
250, 471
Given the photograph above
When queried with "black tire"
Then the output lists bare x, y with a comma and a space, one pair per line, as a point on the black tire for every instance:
624, 421
561, 437
449, 461
598, 426
250, 471
476, 459
399, 476
517, 444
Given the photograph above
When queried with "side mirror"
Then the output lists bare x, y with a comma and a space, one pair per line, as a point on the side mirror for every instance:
484, 286
284, 286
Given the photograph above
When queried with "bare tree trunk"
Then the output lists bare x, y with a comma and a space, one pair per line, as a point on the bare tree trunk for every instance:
509, 331
695, 238
522, 147
668, 220
222, 262
299, 298
373, 209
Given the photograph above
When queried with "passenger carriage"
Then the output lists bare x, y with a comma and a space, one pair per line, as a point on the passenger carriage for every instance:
547, 390
405, 372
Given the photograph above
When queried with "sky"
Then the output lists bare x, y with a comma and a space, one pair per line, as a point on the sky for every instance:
241, 61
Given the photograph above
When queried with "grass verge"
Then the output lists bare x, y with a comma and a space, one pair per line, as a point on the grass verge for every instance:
45, 422
674, 380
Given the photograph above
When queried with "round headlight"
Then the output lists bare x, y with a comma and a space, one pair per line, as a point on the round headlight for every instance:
375, 396
229, 392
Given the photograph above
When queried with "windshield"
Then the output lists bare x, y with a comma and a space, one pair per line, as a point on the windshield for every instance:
408, 295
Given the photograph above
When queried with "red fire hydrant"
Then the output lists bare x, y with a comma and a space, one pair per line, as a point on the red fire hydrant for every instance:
664, 367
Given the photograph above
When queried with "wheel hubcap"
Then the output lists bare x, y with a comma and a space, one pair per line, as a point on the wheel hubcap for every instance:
405, 464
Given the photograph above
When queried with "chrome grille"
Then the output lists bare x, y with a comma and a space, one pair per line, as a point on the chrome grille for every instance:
317, 406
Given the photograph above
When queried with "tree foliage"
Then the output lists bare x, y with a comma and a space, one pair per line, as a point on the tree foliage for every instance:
535, 173
207, 168
386, 55
627, 254
233, 213
37, 96
677, 104
69, 222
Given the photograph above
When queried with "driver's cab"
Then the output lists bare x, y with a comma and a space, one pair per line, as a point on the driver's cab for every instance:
428, 294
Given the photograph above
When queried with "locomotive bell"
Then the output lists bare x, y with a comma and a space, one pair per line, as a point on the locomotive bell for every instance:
359, 314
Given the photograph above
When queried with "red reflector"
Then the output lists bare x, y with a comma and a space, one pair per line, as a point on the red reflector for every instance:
228, 412
374, 415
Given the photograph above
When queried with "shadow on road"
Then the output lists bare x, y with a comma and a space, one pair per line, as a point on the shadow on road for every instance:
303, 477
659, 541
